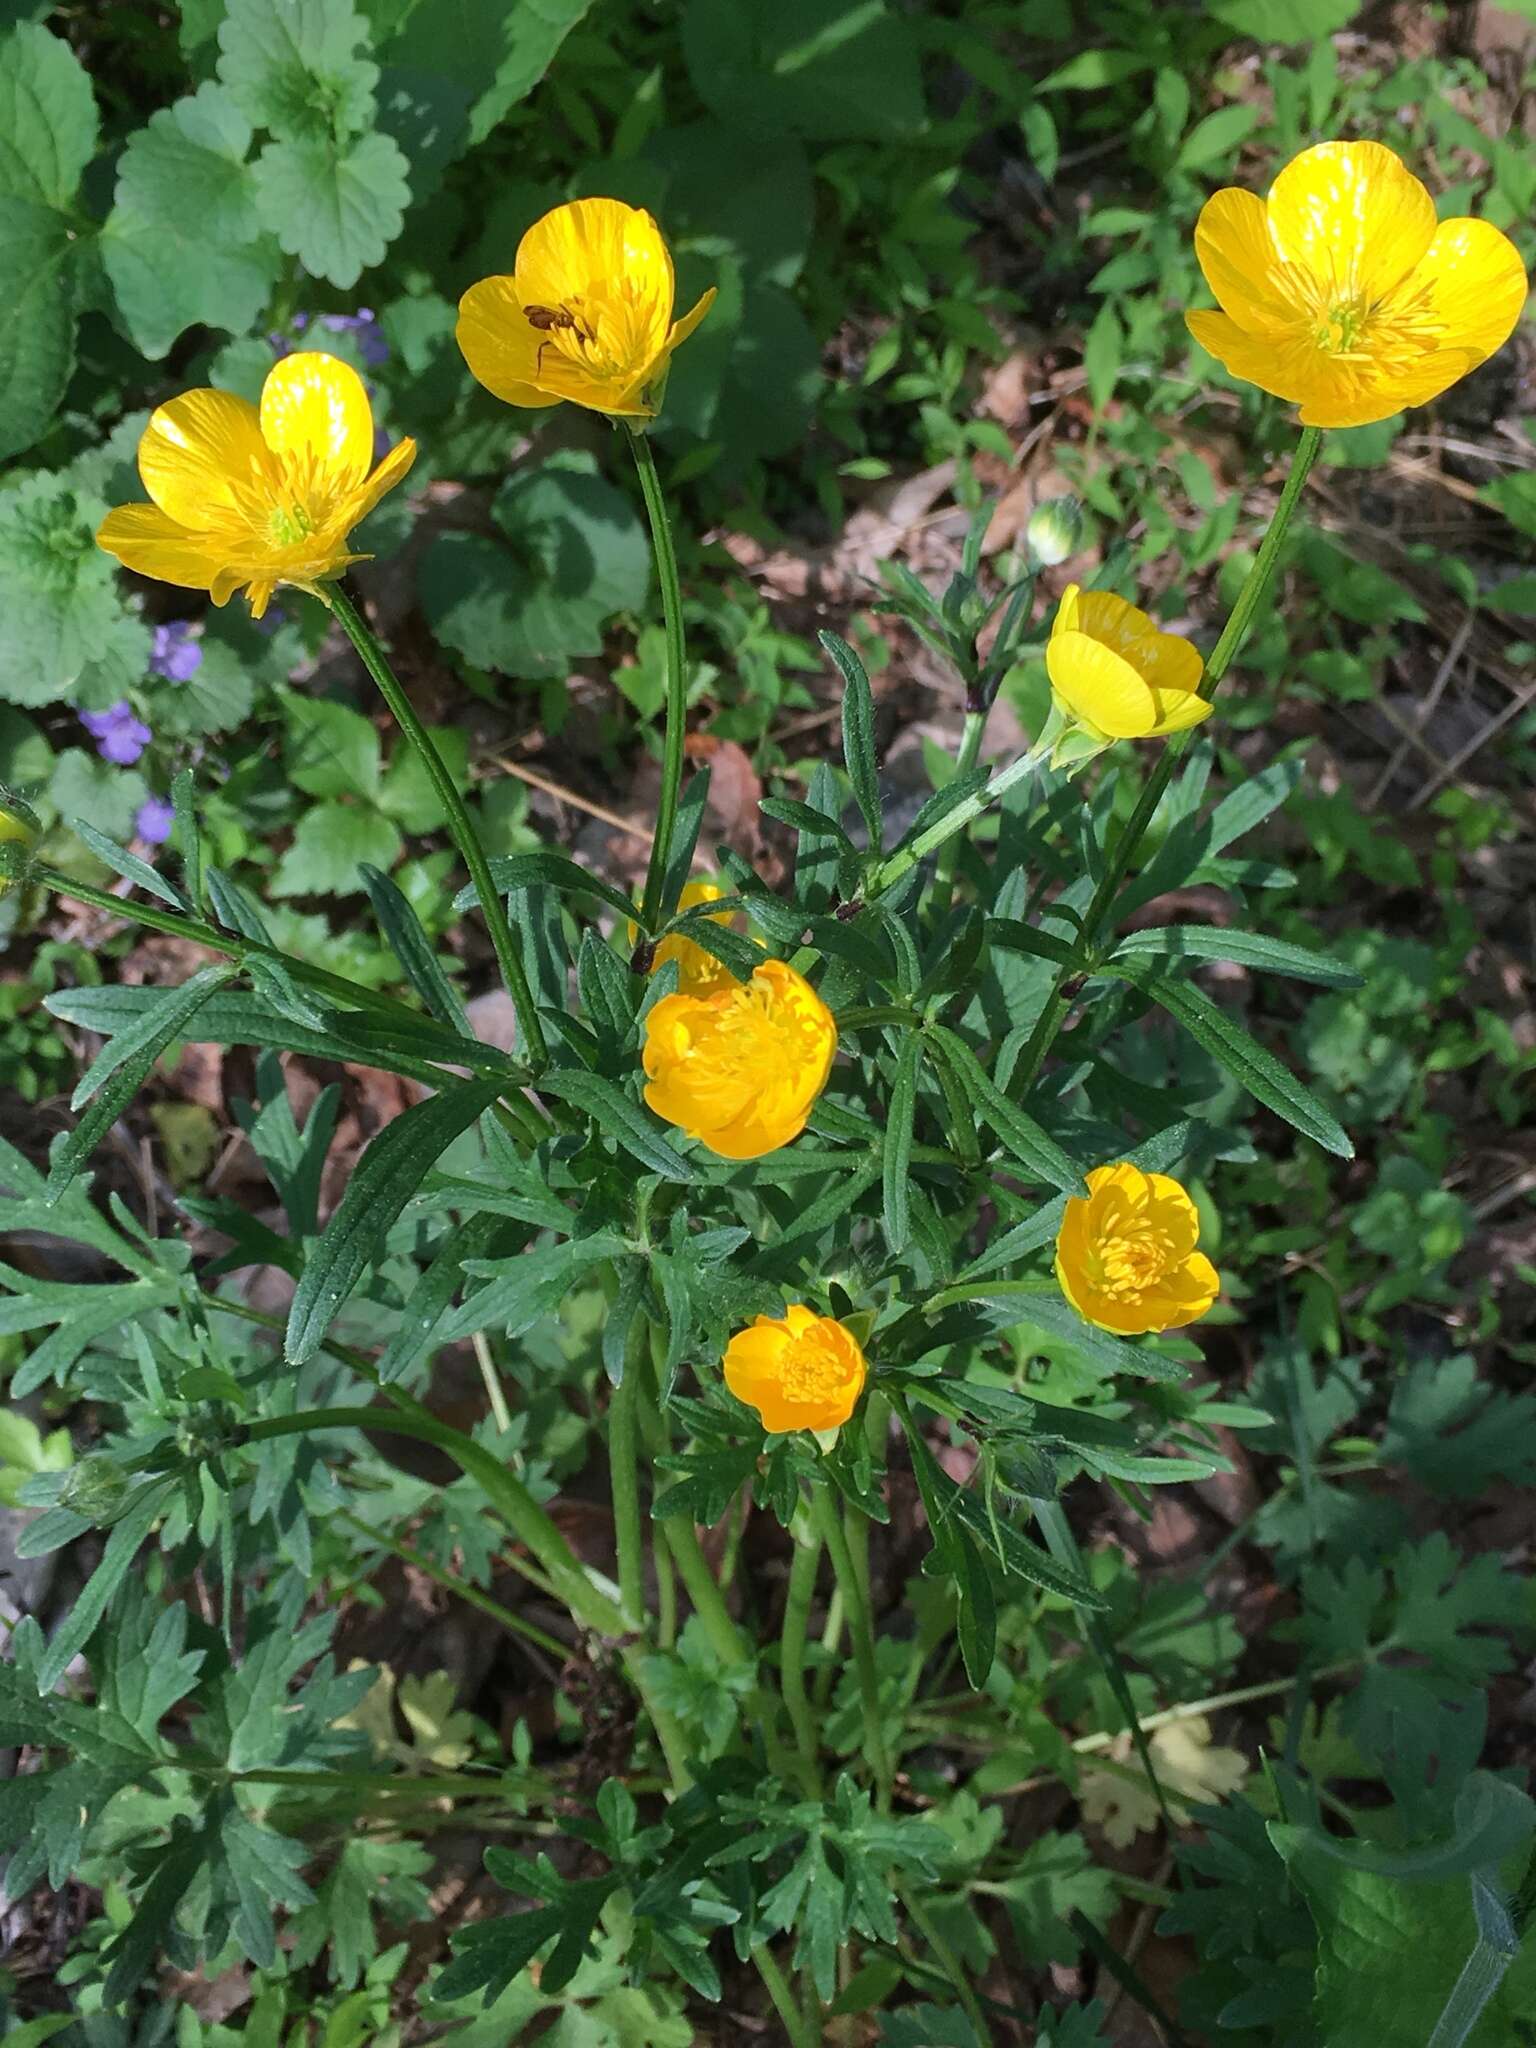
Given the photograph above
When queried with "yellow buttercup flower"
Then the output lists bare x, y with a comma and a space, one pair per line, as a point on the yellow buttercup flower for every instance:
1342, 293
698, 973
247, 497
1114, 672
1126, 1257
799, 1370
586, 314
740, 1070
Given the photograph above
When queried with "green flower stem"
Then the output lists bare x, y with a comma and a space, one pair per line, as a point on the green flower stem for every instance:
861, 1626
798, 2031
969, 754
460, 1588
831, 1645
677, 681
666, 1589
624, 1479
702, 1588
1117, 866
460, 826
890, 871
588, 1603
797, 1610
948, 1962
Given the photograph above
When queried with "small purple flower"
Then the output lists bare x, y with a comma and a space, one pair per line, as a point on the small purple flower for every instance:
362, 325
153, 820
175, 655
120, 737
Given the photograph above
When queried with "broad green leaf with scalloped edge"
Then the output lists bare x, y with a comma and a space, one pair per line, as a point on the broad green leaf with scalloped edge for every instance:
336, 212
293, 68
47, 117
58, 592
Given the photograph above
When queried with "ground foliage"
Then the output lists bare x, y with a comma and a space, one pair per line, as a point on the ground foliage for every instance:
308, 1746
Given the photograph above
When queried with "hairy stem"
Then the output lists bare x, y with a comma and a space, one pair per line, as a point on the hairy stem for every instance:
861, 1626
460, 826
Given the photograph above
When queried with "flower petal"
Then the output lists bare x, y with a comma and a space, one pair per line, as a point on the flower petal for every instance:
198, 451
681, 329
1477, 286
498, 344
1241, 263
1099, 686
585, 248
149, 541
1351, 215
1287, 368
315, 407
389, 472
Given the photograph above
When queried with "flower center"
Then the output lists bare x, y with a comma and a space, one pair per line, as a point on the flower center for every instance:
288, 524
1340, 328
1136, 1260
811, 1369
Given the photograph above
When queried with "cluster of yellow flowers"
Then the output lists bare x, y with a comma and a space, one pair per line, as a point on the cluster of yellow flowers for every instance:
1340, 292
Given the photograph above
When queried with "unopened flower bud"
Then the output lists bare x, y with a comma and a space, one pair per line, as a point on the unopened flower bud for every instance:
95, 1489
19, 827
1054, 532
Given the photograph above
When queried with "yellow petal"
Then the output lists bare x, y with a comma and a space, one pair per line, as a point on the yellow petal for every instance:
199, 452
1099, 686
681, 329
583, 249
1477, 285
1353, 216
1288, 368
314, 409
147, 540
389, 472
498, 344
1241, 264
1178, 710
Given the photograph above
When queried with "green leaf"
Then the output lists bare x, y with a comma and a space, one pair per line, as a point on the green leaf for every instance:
1285, 21
184, 245
1243, 949
1217, 138
128, 1532
58, 593
525, 1288
1247, 1061
617, 1117
1390, 1955
496, 52
579, 554
858, 734
37, 321
407, 794
1037, 1152
528, 870
333, 844
128, 865
1095, 70
405, 935
330, 750
896, 1154
291, 66
337, 208
47, 117
818, 825
385, 1178
833, 69
127, 1059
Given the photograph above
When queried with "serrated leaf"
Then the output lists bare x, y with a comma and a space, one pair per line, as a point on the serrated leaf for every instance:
47, 117
331, 847
617, 1117
336, 208
291, 65
385, 1178
858, 734
122, 1546
405, 935
37, 323
523, 1289
557, 871
58, 594
1247, 1061
183, 244
127, 1060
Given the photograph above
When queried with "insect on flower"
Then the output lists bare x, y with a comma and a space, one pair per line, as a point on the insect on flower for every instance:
585, 316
